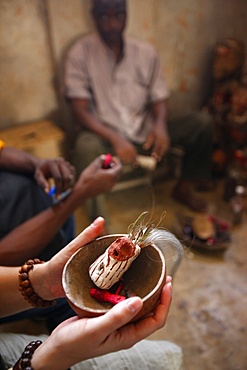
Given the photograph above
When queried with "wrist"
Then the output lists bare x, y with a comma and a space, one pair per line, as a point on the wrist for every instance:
160, 125
26, 288
24, 363
49, 356
116, 138
38, 277
41, 359
33, 162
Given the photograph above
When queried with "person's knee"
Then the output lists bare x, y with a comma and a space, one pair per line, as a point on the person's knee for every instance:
11, 179
86, 148
88, 141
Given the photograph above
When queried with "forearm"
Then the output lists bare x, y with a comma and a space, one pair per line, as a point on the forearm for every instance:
12, 300
89, 121
14, 159
34, 234
159, 113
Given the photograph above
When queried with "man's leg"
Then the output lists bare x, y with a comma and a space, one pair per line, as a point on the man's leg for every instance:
194, 133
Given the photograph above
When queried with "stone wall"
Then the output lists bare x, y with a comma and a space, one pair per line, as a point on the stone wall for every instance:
34, 35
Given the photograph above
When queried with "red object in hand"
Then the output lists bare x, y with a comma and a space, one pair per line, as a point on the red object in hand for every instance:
119, 288
107, 161
105, 296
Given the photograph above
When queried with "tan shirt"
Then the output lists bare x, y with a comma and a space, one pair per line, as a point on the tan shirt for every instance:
119, 92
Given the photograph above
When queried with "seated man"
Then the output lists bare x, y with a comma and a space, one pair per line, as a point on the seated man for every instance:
115, 88
30, 224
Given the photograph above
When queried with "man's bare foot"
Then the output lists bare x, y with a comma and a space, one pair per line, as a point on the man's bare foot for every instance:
188, 199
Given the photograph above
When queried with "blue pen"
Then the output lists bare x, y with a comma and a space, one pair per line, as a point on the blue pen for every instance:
60, 197
52, 191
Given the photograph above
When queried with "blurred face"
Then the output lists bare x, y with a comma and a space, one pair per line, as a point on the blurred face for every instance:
110, 19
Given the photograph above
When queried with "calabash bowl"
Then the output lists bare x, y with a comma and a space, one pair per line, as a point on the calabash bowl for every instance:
146, 278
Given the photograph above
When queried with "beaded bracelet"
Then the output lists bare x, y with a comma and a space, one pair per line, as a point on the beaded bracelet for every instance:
24, 363
26, 289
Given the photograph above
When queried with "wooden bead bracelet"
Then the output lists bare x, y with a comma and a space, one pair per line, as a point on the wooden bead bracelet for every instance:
26, 289
24, 363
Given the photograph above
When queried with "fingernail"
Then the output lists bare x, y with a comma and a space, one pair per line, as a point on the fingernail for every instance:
134, 304
169, 279
97, 219
169, 287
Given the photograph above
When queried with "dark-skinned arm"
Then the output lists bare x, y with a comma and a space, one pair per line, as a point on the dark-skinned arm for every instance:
158, 139
31, 237
123, 148
13, 159
60, 170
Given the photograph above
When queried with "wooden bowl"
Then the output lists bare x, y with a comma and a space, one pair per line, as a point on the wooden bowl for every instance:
146, 278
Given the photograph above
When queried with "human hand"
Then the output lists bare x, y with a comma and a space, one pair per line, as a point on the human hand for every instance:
78, 339
125, 150
159, 141
46, 278
95, 180
60, 170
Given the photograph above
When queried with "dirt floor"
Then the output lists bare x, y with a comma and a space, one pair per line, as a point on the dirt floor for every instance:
208, 317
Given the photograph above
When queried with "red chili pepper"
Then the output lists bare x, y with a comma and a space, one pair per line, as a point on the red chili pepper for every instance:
106, 296
107, 161
119, 288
